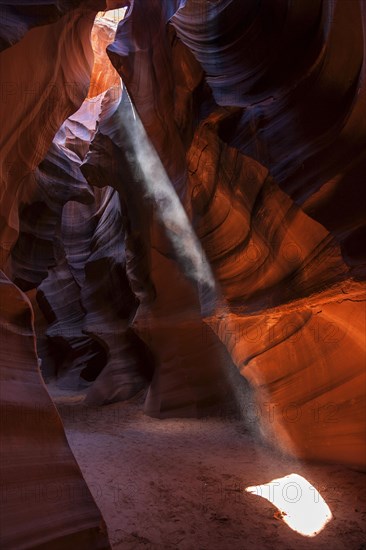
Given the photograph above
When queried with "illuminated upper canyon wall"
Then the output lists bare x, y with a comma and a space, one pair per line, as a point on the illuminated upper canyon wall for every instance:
237, 157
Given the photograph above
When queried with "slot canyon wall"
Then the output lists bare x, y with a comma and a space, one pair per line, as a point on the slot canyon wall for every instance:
182, 214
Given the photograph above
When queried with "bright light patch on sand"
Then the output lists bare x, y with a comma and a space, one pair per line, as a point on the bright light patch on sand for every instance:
300, 505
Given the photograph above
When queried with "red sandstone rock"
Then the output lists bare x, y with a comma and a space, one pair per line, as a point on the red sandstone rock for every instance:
46, 98
264, 251
104, 75
45, 500
215, 220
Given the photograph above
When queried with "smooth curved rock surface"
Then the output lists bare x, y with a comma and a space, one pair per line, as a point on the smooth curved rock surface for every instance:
205, 222
297, 70
46, 97
265, 252
45, 501
257, 242
129, 366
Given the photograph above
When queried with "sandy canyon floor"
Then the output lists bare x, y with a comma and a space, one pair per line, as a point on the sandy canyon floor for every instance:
180, 483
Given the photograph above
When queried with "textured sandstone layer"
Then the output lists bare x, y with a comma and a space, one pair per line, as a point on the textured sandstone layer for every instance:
44, 79
104, 75
297, 70
264, 252
190, 375
45, 500
204, 222
288, 334
35, 103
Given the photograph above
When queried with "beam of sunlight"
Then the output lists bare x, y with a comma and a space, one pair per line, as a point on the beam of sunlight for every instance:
300, 505
169, 210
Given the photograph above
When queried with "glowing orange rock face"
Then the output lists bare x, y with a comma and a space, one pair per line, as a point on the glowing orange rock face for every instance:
299, 346
103, 75
263, 187
291, 283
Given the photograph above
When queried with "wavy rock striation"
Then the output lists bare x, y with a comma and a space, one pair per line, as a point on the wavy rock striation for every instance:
205, 224
297, 72
44, 79
285, 280
45, 500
